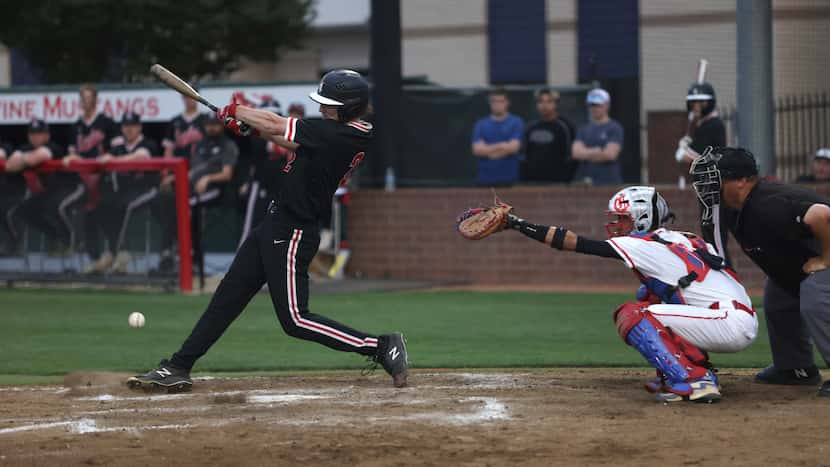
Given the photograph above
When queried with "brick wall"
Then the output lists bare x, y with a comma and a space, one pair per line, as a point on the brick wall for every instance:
410, 234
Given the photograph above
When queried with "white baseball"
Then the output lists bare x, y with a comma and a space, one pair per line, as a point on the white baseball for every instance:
136, 320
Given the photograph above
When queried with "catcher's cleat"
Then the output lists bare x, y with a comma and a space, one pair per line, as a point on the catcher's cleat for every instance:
165, 378
809, 376
656, 385
704, 389
393, 357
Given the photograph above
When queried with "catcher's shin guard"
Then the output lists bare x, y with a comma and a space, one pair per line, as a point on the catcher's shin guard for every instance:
638, 328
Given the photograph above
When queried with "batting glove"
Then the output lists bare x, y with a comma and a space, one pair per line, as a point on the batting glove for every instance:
228, 111
239, 128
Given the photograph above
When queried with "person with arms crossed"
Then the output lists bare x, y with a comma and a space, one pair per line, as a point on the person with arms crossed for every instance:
497, 140
598, 143
689, 302
547, 143
279, 250
785, 231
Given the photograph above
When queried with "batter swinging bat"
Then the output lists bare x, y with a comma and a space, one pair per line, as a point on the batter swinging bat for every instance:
177, 84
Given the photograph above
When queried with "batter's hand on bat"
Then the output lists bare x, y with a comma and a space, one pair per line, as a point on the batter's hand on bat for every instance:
226, 112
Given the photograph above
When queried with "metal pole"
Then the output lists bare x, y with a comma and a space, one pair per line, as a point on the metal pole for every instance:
756, 119
385, 72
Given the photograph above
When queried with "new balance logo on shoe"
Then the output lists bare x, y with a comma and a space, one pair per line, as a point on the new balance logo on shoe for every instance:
394, 353
800, 373
164, 372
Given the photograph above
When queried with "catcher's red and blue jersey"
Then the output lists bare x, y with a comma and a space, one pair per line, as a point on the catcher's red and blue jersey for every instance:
662, 264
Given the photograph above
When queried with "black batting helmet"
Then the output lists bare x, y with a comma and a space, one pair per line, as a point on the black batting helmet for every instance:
701, 92
346, 90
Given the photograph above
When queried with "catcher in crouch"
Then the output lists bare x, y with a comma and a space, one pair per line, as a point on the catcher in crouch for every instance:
689, 302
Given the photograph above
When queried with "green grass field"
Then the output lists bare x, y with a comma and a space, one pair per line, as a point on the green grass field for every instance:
47, 332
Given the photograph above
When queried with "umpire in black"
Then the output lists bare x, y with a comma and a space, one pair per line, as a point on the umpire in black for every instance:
785, 230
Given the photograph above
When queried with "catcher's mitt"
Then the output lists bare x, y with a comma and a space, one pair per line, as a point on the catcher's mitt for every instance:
478, 223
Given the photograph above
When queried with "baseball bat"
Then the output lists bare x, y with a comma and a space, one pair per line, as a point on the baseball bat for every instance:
702, 64
177, 84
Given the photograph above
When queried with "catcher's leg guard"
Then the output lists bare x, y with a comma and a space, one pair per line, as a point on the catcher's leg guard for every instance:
638, 328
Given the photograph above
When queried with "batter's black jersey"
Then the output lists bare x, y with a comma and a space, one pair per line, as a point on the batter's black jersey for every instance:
268, 160
92, 139
120, 147
770, 229
329, 151
711, 132
184, 134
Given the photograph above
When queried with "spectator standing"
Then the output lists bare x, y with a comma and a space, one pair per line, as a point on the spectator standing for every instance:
496, 142
598, 143
547, 143
123, 193
91, 133
821, 168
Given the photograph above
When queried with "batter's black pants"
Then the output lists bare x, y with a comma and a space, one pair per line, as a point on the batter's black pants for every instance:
278, 252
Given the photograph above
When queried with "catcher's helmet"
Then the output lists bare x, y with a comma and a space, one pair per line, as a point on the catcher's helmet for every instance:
636, 209
701, 92
346, 90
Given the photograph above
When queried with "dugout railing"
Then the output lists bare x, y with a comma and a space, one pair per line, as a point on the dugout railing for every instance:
179, 169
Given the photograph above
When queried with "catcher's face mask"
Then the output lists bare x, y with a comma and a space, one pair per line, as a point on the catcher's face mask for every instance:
706, 180
620, 224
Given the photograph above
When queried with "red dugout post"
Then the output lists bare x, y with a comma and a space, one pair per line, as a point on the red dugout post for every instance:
179, 169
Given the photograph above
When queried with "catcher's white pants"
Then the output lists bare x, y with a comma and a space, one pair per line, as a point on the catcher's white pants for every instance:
723, 330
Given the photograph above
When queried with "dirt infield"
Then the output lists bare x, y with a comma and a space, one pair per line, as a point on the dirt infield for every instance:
520, 417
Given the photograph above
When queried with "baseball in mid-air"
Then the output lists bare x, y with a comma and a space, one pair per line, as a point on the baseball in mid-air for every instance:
136, 320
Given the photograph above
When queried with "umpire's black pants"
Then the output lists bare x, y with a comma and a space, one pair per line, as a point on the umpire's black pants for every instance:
278, 252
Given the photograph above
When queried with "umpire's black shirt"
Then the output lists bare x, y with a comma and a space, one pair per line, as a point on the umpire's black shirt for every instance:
770, 229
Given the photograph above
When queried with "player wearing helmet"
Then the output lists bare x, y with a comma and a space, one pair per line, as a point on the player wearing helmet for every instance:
689, 302
279, 250
706, 129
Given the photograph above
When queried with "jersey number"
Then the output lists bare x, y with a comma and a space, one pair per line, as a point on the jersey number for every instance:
358, 158
289, 159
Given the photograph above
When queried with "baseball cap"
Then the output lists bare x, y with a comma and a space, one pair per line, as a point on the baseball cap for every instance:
823, 153
598, 96
130, 118
37, 125
736, 163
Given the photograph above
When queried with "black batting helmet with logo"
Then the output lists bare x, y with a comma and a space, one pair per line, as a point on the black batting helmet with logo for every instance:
346, 90
701, 92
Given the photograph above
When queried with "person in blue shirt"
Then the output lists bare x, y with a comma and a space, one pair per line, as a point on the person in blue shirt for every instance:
598, 144
497, 142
